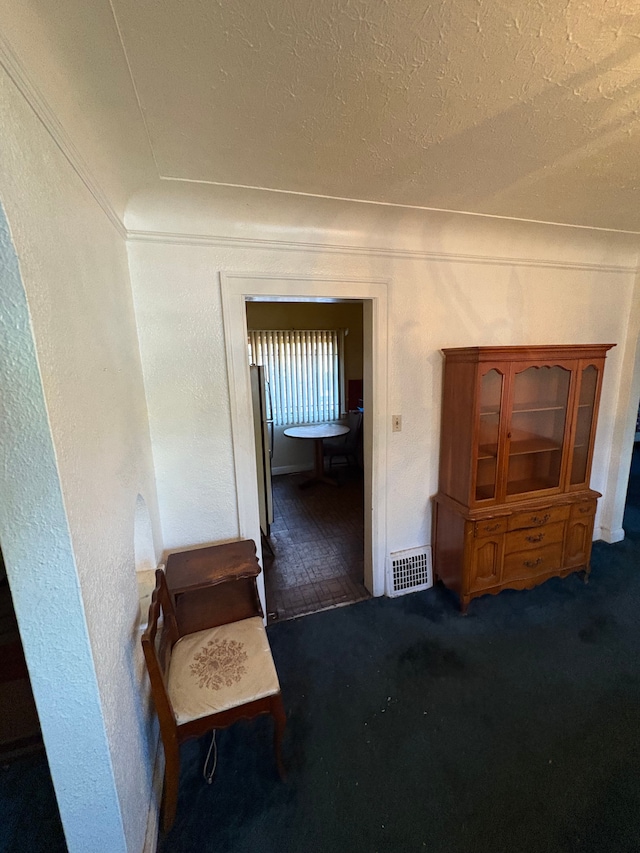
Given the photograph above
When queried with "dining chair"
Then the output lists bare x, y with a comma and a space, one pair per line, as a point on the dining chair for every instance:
347, 446
204, 681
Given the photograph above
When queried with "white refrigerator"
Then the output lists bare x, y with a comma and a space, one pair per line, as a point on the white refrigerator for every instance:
263, 433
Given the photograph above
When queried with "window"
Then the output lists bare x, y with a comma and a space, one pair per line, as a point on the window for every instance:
305, 373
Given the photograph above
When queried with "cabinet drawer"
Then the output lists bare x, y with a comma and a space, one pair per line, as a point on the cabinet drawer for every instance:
538, 517
490, 527
585, 509
528, 564
534, 537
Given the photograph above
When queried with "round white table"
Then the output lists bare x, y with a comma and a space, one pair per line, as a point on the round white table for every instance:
317, 432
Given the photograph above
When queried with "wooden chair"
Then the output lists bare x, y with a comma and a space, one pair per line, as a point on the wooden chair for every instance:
206, 680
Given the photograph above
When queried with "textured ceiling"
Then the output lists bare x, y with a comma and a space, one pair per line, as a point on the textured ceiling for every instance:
520, 108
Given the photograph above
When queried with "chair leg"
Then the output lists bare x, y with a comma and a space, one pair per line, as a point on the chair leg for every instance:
280, 721
171, 780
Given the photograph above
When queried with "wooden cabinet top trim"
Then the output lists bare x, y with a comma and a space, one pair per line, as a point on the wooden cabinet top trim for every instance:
570, 352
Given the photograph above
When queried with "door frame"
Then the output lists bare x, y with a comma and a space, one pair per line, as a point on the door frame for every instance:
236, 288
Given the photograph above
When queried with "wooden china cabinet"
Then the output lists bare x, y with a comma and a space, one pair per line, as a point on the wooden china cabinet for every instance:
514, 506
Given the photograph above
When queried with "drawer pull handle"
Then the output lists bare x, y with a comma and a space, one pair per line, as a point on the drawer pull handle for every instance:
584, 509
531, 564
491, 528
537, 538
540, 519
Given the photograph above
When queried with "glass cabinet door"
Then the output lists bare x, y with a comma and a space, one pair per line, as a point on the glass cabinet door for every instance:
584, 425
486, 463
537, 428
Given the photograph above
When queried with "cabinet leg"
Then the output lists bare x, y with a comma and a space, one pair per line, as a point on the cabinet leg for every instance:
464, 603
587, 573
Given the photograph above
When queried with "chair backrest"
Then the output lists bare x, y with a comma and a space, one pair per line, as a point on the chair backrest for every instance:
230, 601
354, 422
158, 640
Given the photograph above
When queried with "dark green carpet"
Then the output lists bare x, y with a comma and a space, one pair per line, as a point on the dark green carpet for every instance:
411, 728
29, 818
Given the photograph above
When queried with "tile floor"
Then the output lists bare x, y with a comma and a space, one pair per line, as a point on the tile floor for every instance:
317, 538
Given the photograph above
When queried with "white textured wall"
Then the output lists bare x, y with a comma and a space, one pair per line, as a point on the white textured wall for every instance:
452, 282
73, 265
179, 318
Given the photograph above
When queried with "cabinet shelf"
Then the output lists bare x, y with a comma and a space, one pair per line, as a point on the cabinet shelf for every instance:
531, 484
546, 406
487, 451
522, 444
525, 446
524, 408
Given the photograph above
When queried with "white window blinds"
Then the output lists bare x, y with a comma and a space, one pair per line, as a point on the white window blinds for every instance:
304, 370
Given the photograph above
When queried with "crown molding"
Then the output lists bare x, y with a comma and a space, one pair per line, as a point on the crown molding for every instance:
330, 248
41, 109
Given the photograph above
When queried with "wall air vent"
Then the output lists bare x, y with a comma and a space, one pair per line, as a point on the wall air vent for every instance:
409, 571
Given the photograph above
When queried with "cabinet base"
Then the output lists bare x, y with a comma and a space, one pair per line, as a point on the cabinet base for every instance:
515, 547
526, 583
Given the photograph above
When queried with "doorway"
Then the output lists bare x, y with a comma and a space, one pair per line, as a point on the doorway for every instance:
631, 519
30, 816
19, 725
236, 290
308, 378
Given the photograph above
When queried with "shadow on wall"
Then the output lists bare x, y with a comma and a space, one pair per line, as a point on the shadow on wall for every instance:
144, 550
146, 718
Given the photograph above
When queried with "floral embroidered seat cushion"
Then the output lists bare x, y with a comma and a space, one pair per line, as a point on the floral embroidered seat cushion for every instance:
221, 668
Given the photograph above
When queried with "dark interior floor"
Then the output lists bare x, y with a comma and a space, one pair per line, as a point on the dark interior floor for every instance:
19, 725
410, 727
317, 540
29, 818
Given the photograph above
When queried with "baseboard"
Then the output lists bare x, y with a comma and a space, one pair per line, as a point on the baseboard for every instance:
153, 817
609, 536
290, 469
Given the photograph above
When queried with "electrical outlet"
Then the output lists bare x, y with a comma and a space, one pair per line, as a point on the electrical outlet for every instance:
396, 423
